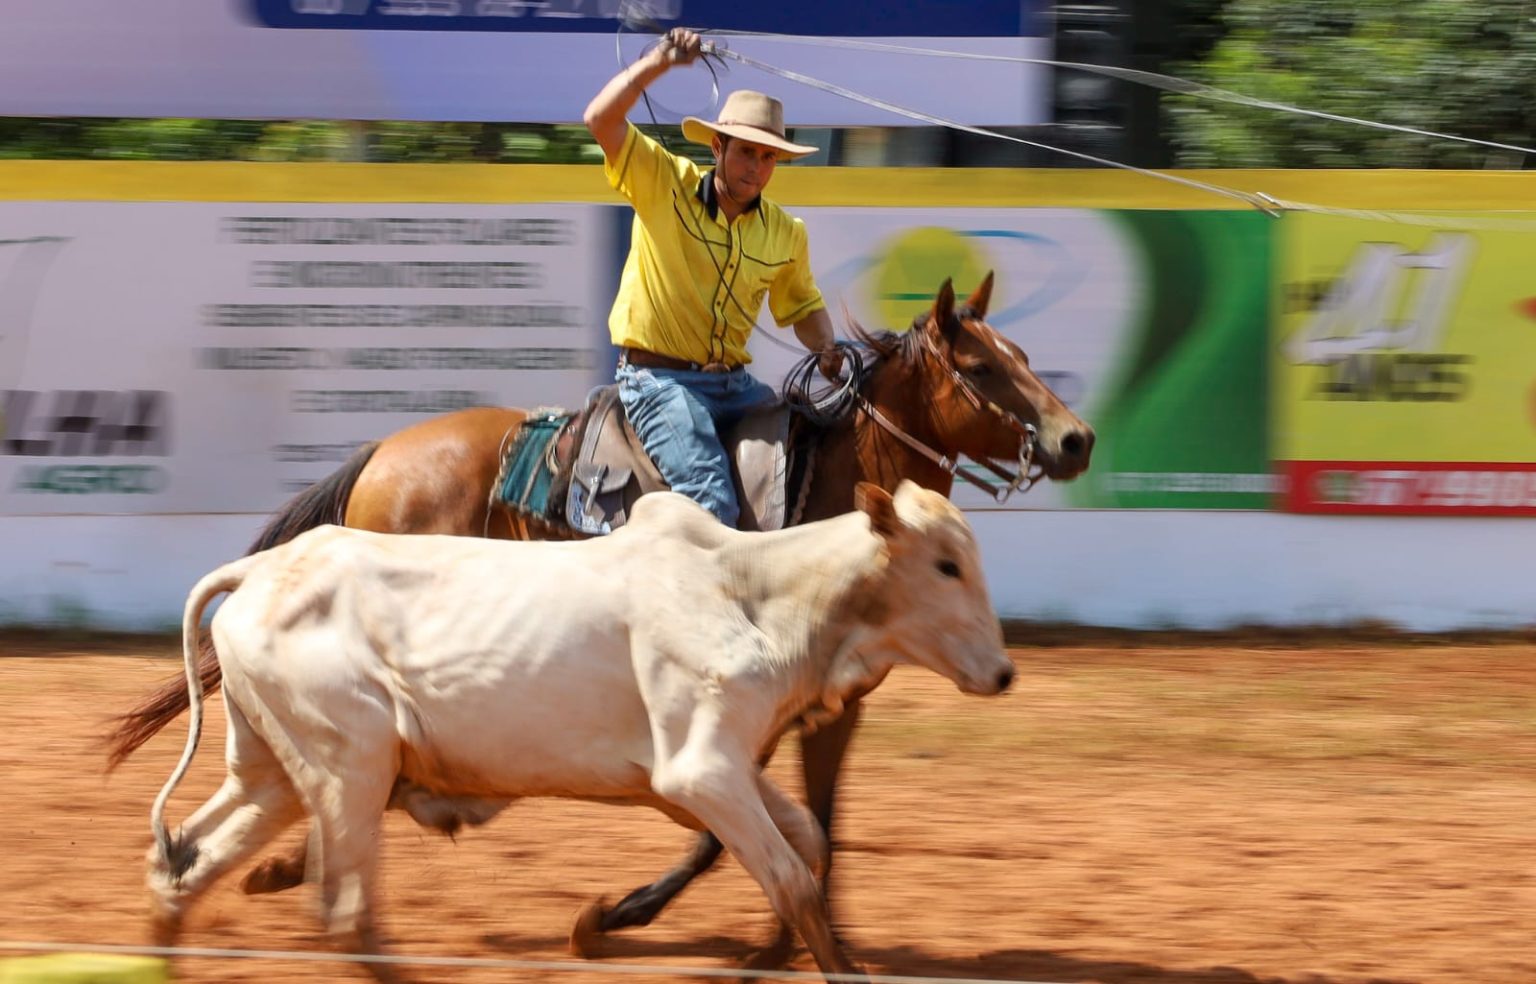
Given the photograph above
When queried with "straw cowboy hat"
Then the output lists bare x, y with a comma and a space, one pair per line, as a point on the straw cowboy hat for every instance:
750, 116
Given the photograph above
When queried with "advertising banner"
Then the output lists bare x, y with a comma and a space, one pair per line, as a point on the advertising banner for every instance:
533, 61
1151, 325
215, 357
1405, 367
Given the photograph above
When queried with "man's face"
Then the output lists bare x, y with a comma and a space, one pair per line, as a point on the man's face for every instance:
744, 167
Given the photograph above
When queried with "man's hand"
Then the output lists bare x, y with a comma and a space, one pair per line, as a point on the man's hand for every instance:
680, 46
607, 113
815, 333
831, 364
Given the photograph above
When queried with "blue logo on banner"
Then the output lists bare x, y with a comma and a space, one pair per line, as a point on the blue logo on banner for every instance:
913, 18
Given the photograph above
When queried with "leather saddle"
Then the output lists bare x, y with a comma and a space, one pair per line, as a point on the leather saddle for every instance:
600, 468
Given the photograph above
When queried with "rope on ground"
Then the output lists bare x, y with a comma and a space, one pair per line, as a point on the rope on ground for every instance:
495, 963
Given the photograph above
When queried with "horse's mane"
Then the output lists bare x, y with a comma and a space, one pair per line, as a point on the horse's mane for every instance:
901, 346
883, 345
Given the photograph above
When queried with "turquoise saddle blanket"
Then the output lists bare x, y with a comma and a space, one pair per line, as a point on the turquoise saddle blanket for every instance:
529, 474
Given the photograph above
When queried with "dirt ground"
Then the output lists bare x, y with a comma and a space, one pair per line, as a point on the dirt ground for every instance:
1139, 809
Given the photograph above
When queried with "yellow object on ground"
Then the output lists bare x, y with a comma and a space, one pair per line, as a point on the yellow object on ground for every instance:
84, 968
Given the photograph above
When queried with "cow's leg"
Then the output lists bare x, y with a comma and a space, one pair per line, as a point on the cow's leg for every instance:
821, 754
727, 796
642, 905
256, 803
799, 827
348, 806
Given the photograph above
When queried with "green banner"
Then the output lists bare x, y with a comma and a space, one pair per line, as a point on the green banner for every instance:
1184, 422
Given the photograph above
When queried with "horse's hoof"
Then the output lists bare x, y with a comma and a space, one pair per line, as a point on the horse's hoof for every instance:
774, 956
272, 875
587, 931
164, 928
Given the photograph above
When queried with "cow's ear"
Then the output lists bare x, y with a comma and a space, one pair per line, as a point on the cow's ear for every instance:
879, 506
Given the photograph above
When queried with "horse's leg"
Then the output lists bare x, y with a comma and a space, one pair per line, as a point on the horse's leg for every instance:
642, 905
277, 874
821, 761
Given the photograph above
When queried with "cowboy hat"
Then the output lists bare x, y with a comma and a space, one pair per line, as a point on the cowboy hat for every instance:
751, 116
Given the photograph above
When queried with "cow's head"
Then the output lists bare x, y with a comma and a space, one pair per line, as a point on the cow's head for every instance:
938, 613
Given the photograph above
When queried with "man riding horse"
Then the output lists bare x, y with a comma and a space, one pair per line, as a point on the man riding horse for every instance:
706, 249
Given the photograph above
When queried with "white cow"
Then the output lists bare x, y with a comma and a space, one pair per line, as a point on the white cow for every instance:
448, 676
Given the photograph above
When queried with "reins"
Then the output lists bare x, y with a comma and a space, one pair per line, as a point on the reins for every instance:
836, 402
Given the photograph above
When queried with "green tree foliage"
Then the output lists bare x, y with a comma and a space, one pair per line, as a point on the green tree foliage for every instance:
1451, 66
293, 140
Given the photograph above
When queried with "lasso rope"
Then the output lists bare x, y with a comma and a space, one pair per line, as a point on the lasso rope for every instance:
637, 16
818, 400
1155, 80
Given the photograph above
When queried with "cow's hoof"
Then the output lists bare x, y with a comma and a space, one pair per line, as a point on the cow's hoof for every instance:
587, 931
272, 875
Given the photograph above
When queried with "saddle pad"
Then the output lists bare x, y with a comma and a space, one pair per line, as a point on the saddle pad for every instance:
527, 473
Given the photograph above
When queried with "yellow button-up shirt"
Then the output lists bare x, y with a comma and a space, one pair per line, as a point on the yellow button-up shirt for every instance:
694, 283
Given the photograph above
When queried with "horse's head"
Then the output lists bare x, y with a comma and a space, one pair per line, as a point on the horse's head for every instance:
984, 397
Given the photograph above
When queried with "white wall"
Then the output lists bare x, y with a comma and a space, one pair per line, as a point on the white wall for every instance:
1114, 568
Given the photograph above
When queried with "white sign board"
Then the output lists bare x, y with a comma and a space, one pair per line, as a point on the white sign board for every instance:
215, 357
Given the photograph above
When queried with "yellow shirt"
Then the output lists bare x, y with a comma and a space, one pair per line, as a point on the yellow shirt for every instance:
694, 283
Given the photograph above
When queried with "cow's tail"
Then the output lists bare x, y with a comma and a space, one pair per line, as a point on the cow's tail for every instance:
226, 578
321, 503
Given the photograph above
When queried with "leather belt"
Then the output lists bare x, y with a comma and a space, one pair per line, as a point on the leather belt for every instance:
654, 360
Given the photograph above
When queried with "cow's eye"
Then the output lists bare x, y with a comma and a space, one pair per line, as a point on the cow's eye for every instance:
948, 568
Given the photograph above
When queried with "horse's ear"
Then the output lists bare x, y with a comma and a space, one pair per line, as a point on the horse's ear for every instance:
981, 296
944, 309
880, 506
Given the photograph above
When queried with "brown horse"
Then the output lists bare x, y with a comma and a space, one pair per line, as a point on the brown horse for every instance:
950, 386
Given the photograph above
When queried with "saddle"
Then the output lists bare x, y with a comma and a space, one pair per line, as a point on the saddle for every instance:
586, 469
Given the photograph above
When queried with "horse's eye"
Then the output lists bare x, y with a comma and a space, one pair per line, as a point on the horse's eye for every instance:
948, 568
979, 371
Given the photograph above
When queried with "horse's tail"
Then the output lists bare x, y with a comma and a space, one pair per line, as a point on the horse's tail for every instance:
226, 578
321, 503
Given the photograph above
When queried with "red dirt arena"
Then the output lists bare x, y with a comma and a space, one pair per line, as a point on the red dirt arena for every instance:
1157, 809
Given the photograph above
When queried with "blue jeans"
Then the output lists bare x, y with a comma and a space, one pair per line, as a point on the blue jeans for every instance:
676, 413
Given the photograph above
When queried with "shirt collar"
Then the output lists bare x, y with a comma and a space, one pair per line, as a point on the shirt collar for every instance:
706, 194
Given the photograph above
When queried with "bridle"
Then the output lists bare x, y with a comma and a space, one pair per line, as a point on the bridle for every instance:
1021, 480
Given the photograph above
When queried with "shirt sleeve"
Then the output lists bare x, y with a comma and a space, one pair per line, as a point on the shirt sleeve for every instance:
794, 294
643, 172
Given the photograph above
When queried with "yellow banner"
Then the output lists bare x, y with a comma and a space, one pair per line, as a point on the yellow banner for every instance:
1399, 342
